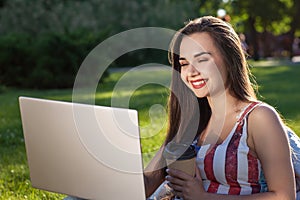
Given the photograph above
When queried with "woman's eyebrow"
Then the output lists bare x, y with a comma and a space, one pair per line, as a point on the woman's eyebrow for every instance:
197, 55
201, 53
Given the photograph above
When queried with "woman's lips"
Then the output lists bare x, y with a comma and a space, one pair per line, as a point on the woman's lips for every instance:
197, 84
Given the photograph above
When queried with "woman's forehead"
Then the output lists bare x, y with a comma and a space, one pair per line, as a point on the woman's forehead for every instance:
195, 44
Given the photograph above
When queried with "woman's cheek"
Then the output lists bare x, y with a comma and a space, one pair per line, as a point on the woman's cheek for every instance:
184, 78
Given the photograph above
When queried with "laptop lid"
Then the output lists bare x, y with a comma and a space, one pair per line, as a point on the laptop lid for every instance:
87, 151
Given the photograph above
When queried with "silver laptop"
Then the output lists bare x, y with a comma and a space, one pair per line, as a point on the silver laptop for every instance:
87, 151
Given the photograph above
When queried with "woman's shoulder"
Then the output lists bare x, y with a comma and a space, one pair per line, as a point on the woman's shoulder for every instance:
263, 112
265, 129
265, 118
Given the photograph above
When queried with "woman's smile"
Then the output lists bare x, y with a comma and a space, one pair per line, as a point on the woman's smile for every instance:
198, 84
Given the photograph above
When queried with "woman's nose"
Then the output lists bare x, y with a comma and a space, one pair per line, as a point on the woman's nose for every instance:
192, 71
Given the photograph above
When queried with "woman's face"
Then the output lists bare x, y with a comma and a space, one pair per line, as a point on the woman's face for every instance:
202, 67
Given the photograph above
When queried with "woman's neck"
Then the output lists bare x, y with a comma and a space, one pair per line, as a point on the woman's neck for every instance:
225, 109
225, 104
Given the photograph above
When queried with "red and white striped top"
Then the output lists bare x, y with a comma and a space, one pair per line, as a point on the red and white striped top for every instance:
229, 168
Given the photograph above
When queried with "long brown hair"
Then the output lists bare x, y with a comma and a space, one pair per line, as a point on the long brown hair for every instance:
189, 115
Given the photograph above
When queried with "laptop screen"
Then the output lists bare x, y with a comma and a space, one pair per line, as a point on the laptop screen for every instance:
88, 151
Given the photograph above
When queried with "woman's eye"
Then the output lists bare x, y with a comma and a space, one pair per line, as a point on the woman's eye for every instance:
183, 64
202, 60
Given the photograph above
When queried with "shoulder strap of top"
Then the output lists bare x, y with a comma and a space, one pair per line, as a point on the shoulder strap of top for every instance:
247, 110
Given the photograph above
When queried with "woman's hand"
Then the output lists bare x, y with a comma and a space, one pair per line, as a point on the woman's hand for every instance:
184, 185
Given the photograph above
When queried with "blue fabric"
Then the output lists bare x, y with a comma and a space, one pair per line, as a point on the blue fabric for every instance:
263, 183
295, 148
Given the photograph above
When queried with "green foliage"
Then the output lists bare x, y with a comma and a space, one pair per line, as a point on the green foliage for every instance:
36, 16
50, 60
270, 15
266, 13
15, 58
57, 59
55, 36
210, 7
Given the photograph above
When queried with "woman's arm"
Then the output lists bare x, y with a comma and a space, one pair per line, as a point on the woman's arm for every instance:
152, 180
267, 138
270, 142
154, 173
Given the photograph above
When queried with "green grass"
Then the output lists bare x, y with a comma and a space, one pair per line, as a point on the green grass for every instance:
278, 85
14, 175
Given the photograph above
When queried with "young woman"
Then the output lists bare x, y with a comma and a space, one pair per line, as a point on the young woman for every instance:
213, 105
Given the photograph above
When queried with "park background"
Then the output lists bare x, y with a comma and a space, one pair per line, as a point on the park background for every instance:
44, 42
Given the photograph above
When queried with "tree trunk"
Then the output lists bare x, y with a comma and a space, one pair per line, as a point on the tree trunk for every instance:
294, 25
253, 40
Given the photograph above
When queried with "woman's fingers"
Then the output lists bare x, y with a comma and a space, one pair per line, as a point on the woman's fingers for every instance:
174, 180
177, 180
179, 174
198, 173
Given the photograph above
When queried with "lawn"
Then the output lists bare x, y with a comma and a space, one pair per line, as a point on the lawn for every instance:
145, 91
280, 87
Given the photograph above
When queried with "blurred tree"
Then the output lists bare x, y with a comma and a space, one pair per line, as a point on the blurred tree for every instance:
259, 15
209, 7
104, 18
36, 16
62, 31
2, 3
269, 24
295, 22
